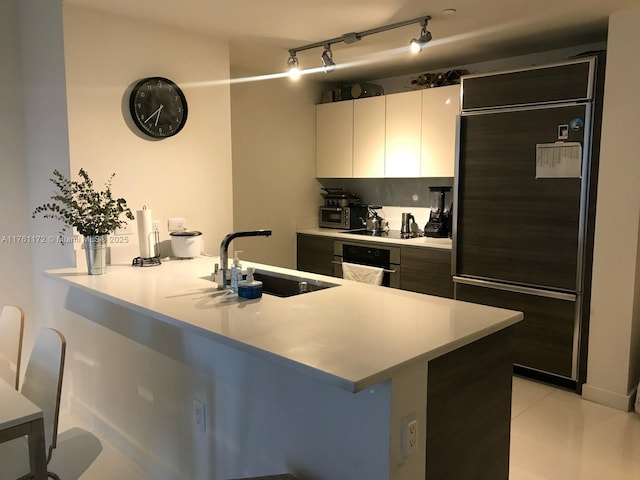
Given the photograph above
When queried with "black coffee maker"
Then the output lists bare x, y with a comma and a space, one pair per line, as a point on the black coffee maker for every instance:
439, 224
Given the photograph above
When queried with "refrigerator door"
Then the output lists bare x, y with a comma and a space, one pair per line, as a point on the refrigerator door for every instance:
511, 226
547, 339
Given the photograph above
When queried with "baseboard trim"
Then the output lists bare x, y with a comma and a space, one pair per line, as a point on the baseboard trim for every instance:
610, 399
546, 377
139, 455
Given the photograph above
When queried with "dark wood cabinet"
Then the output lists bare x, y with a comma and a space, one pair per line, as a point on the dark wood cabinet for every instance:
544, 339
469, 411
549, 83
426, 270
422, 269
315, 254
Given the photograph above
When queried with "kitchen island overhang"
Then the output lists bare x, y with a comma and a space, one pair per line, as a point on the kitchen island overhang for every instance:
356, 337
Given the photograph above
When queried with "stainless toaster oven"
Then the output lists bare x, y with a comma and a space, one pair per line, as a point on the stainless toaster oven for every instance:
344, 218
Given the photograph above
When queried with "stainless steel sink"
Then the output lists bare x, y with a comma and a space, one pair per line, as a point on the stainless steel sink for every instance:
283, 285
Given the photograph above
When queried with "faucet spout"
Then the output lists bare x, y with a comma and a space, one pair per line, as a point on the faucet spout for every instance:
224, 252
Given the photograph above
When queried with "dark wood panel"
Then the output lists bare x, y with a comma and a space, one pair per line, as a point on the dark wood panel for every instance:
315, 254
539, 85
544, 339
426, 270
469, 411
511, 225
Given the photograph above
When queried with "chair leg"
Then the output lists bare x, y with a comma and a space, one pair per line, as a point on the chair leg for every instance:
53, 475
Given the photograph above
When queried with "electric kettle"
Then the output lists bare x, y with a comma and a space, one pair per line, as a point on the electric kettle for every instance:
406, 229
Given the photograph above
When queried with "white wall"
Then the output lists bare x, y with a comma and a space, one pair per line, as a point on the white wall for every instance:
614, 334
15, 253
274, 186
47, 147
187, 175
139, 398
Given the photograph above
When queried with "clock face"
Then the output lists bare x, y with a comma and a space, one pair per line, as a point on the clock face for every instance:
158, 107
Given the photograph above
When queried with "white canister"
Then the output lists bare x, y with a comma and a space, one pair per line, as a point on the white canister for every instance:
187, 244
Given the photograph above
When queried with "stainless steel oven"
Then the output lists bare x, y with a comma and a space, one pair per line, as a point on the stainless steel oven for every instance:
382, 256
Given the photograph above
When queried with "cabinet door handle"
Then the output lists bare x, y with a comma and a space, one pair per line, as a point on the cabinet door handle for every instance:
386, 270
570, 297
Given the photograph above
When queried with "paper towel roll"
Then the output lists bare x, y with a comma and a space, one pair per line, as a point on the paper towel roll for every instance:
145, 233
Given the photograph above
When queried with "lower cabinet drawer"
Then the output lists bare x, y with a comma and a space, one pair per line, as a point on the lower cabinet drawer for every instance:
544, 340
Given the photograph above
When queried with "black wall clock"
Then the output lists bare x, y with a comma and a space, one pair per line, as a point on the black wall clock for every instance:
158, 107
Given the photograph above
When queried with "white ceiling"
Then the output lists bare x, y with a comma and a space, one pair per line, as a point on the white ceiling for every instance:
261, 32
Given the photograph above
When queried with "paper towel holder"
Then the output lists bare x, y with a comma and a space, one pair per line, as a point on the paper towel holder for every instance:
154, 246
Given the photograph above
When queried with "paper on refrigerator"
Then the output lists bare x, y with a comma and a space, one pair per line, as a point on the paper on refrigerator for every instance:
559, 160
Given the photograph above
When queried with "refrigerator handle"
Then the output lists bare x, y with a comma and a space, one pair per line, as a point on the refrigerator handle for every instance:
570, 297
455, 196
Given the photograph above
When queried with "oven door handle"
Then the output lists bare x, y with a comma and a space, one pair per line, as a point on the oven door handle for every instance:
386, 270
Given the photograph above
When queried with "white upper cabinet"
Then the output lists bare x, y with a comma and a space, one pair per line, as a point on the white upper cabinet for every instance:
368, 137
440, 109
334, 140
409, 134
403, 132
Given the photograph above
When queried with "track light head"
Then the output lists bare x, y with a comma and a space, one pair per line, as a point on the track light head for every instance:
327, 60
417, 44
293, 67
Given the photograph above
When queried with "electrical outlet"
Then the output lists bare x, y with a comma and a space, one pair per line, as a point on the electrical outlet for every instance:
176, 224
199, 415
412, 437
124, 230
409, 435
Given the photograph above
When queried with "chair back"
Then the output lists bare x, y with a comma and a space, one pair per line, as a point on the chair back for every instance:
11, 331
42, 382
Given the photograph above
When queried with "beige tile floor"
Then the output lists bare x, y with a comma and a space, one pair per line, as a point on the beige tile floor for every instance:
80, 455
555, 435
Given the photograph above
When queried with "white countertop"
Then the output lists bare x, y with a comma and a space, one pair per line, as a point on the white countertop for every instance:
351, 336
443, 243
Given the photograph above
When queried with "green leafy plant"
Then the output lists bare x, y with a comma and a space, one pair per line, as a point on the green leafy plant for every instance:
77, 204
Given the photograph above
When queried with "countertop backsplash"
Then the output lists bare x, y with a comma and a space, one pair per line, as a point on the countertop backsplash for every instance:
407, 193
395, 195
394, 215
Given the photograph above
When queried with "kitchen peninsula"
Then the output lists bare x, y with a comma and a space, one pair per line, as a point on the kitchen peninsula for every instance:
349, 382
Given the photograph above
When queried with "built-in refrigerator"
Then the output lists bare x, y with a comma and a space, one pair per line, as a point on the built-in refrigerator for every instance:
524, 198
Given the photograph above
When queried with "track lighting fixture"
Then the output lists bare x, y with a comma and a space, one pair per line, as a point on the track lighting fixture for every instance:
327, 59
327, 55
292, 66
417, 44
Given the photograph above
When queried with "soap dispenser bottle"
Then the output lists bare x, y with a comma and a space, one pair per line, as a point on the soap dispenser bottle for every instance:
236, 272
250, 288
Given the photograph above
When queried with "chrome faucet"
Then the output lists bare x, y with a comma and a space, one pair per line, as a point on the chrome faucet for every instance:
220, 274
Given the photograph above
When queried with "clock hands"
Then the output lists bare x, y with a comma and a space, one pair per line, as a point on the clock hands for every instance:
155, 114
